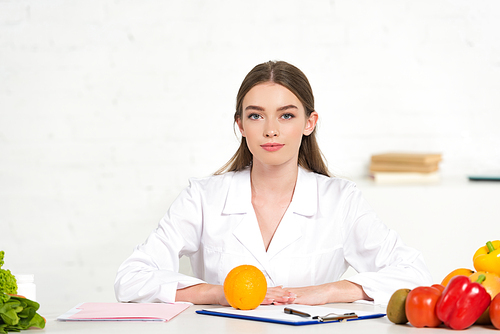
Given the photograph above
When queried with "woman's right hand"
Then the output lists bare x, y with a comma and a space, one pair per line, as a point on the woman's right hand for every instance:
202, 294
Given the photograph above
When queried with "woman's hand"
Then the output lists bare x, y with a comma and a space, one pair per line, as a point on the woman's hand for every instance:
336, 292
278, 296
202, 294
310, 295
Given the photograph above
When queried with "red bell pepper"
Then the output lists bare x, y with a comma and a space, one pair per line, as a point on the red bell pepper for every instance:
420, 306
462, 302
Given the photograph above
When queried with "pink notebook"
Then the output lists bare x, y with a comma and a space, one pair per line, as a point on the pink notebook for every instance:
124, 312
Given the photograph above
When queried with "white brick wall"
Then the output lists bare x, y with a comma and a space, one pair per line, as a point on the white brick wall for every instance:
108, 107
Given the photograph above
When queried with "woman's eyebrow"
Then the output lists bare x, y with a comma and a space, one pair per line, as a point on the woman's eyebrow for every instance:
290, 106
254, 108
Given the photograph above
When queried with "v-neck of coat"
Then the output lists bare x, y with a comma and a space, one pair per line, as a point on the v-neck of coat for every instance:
290, 229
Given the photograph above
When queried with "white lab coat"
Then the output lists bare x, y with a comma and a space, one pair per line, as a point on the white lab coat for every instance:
327, 228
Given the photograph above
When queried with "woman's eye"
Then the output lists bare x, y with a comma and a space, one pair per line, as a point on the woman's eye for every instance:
287, 116
253, 116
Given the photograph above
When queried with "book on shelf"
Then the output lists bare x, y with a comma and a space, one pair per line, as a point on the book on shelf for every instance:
407, 158
401, 167
405, 167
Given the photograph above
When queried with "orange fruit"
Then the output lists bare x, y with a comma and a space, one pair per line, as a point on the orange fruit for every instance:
245, 287
456, 272
492, 285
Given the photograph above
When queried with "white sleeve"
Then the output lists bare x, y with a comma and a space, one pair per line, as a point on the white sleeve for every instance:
151, 273
383, 262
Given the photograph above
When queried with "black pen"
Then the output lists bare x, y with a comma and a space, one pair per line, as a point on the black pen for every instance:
335, 317
296, 312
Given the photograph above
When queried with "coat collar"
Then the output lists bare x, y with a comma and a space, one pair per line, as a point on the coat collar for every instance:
239, 194
304, 202
305, 196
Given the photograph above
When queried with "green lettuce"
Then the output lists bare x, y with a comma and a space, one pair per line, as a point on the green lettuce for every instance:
18, 313
8, 282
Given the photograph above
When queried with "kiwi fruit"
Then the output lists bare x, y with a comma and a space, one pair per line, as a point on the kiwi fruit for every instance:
396, 307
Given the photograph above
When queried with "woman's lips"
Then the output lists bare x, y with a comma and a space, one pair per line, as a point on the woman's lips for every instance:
271, 147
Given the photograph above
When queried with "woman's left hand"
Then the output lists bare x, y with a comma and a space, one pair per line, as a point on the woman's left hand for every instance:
310, 295
279, 296
335, 292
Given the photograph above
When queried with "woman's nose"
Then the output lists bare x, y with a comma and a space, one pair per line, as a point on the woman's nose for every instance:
271, 130
271, 133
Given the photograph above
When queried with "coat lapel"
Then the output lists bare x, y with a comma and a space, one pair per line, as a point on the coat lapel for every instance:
247, 231
296, 219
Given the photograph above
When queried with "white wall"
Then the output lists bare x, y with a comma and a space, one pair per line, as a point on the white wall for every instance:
108, 107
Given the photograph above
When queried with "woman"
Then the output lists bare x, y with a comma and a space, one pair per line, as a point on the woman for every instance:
273, 205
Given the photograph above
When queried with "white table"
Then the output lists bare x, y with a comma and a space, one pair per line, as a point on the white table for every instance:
189, 322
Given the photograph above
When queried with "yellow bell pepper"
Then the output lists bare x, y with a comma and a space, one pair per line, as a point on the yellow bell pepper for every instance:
487, 258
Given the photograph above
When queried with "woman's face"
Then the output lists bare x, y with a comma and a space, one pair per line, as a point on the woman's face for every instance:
273, 121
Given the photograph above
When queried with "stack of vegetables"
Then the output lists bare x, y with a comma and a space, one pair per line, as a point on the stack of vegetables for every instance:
16, 312
463, 298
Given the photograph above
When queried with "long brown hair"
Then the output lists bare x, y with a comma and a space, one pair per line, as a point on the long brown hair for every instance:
290, 77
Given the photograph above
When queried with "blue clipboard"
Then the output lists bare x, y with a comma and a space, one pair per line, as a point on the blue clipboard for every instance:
281, 318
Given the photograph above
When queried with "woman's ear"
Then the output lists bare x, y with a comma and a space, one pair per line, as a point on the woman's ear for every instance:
311, 123
240, 126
